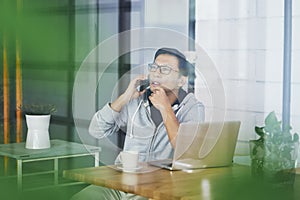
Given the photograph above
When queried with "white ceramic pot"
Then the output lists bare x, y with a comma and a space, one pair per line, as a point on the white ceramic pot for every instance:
38, 131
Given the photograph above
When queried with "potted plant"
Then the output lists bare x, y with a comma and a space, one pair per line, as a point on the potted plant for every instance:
275, 152
37, 120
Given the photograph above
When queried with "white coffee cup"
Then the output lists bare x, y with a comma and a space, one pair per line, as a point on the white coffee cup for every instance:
129, 159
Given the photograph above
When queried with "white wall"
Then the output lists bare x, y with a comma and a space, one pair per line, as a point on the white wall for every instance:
245, 40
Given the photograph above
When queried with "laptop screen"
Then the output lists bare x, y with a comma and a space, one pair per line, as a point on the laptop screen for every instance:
206, 144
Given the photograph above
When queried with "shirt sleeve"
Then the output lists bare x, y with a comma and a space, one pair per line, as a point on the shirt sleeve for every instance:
193, 113
106, 122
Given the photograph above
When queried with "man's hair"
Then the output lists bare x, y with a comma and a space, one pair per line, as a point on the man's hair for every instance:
184, 66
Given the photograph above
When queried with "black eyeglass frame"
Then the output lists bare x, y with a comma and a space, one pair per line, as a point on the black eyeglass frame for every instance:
152, 67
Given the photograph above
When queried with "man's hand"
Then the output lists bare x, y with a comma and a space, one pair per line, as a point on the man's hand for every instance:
130, 93
159, 99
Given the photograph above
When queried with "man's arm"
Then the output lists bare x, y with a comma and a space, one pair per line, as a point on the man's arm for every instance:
130, 93
104, 121
171, 124
161, 101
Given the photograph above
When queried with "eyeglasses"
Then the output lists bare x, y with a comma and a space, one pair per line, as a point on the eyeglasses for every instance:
163, 69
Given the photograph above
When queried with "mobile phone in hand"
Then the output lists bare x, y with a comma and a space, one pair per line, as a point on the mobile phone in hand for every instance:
143, 84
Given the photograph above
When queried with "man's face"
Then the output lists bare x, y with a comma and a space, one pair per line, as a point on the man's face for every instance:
169, 81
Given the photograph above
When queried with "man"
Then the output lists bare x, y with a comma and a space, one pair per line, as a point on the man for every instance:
151, 117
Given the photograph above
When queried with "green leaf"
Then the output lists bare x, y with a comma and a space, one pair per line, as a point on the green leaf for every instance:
38, 109
260, 131
272, 125
271, 119
296, 137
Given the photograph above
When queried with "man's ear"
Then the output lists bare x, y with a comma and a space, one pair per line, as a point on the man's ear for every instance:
181, 81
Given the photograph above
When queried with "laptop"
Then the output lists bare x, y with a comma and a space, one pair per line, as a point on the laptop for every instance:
202, 145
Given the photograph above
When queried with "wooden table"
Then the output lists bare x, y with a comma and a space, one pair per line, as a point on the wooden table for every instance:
233, 182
